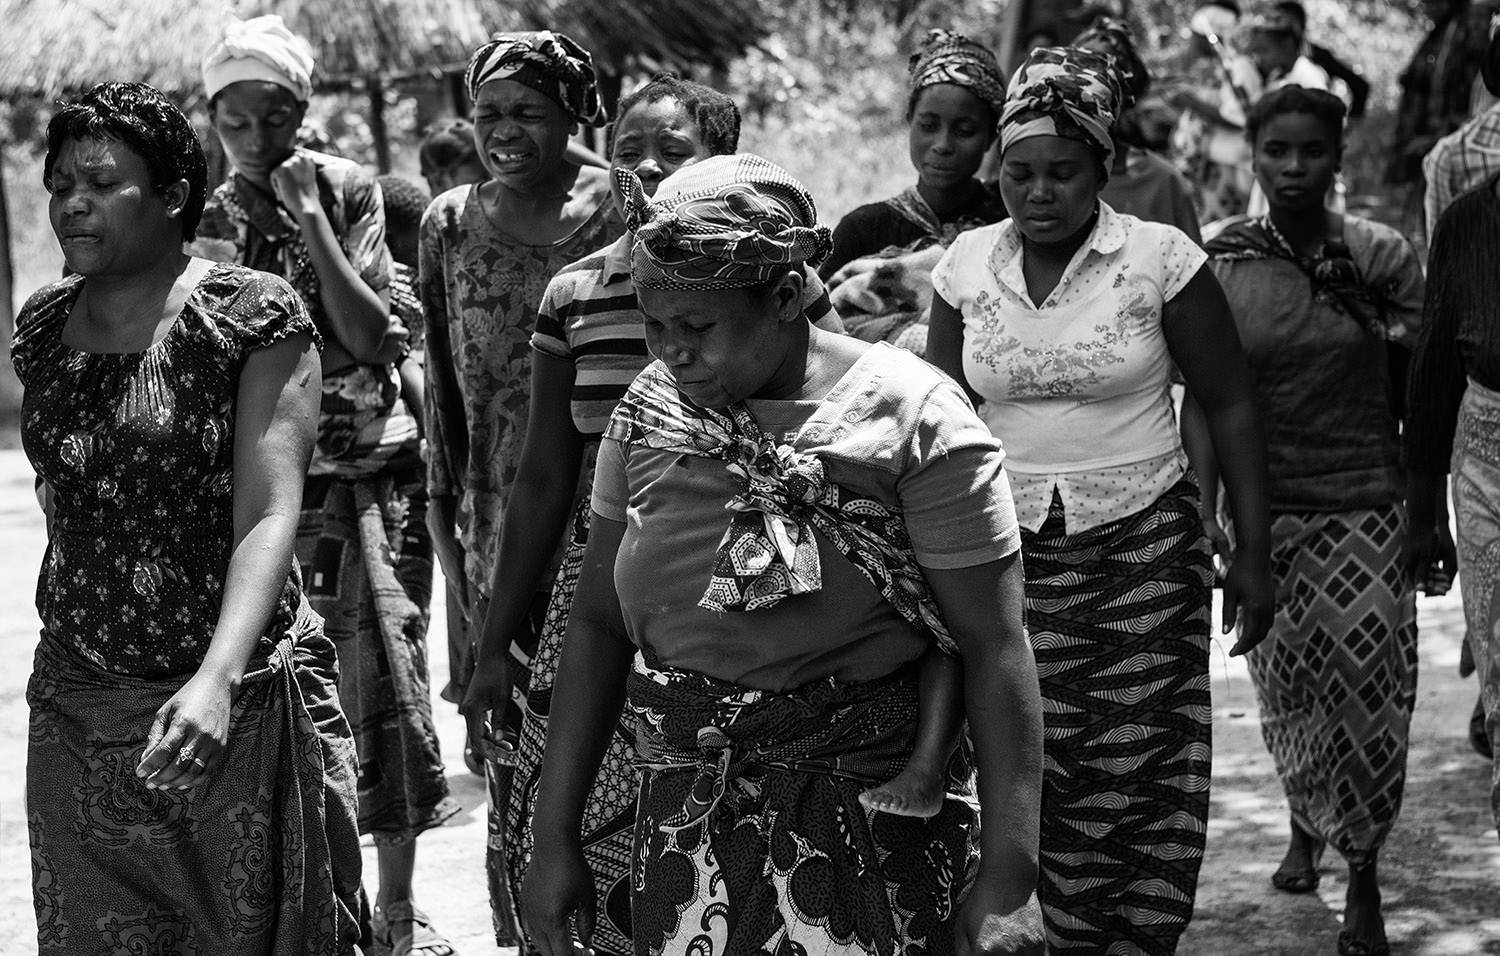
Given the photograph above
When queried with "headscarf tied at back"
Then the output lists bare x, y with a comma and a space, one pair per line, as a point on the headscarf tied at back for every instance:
947, 57
550, 63
1062, 91
1112, 37
260, 49
727, 222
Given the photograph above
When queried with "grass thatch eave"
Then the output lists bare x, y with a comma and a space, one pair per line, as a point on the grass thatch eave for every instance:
50, 47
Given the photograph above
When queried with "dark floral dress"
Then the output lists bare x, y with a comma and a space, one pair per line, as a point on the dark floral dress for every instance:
139, 449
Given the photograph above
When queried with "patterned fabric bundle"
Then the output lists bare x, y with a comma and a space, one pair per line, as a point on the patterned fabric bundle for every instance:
1061, 91
768, 553
1112, 37
947, 57
737, 848
367, 558
1333, 274
260, 49
550, 63
727, 222
261, 859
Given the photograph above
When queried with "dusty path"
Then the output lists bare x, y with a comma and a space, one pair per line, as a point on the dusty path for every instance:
1442, 867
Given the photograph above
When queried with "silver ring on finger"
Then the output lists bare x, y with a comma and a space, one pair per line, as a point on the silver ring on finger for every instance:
200, 763
185, 755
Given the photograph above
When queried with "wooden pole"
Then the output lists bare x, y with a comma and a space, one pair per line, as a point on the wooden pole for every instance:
7, 270
377, 124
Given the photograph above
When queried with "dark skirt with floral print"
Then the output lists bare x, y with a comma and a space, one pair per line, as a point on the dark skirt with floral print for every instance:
262, 859
750, 837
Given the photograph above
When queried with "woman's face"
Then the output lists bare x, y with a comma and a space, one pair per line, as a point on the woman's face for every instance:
521, 134
257, 122
949, 131
722, 346
654, 140
1051, 186
105, 214
1296, 158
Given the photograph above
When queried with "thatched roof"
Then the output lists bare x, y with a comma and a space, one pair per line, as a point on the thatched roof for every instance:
48, 47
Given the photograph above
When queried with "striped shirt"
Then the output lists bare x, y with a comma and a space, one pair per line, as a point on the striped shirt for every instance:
590, 318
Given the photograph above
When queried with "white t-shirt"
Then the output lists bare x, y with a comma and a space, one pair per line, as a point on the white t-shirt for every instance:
1079, 388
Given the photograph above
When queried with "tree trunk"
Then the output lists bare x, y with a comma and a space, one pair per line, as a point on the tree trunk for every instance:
378, 131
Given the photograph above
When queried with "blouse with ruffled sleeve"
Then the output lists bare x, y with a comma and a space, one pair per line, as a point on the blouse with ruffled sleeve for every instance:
138, 448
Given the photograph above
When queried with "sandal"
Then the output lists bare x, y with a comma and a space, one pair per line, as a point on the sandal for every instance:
425, 940
1351, 945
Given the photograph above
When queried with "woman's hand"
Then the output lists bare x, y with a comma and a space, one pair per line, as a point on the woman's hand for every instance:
1249, 598
489, 686
559, 888
1218, 540
296, 184
985, 926
186, 744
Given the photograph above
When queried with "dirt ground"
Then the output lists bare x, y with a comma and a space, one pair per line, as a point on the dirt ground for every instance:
1441, 868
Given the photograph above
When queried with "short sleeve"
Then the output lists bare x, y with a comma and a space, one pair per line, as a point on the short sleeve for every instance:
550, 336
611, 493
954, 494
1180, 259
266, 310
943, 273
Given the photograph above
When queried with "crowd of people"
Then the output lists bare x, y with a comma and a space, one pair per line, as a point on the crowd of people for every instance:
771, 635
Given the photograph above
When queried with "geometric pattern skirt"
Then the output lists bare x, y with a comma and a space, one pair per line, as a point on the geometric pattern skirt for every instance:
1337, 676
1476, 505
610, 809
1118, 617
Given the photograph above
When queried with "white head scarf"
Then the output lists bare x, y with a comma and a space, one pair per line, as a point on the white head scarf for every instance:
259, 49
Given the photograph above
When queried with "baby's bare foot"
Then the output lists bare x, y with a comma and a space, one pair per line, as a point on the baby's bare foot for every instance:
910, 794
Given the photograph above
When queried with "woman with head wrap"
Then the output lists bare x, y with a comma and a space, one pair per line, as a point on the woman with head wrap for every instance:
774, 642
190, 776
1068, 320
1141, 183
882, 291
487, 253
1319, 299
319, 222
588, 346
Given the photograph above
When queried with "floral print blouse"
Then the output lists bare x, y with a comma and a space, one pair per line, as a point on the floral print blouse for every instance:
139, 450
480, 289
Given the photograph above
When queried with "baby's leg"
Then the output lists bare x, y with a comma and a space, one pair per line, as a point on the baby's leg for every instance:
917, 791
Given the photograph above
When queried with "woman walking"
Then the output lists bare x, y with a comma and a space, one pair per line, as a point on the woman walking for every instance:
1067, 320
319, 222
1319, 298
488, 251
190, 776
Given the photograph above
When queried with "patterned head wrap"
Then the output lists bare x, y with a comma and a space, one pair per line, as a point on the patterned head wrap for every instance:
726, 222
259, 49
550, 63
1214, 20
1062, 91
1112, 38
953, 58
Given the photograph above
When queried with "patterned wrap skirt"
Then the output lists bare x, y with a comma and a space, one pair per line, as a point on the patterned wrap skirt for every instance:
750, 837
1118, 617
262, 860
366, 563
1337, 675
609, 812
1476, 504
